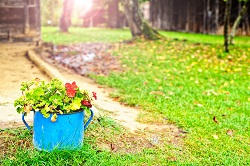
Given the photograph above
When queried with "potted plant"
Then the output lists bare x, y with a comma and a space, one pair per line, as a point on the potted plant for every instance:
58, 113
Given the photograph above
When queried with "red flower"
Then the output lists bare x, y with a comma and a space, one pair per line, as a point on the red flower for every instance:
71, 92
73, 85
71, 89
94, 95
86, 103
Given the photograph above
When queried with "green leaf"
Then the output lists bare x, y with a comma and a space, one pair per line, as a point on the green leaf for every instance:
48, 97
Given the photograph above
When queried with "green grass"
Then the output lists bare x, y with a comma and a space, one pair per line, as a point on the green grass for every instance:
205, 38
18, 150
195, 83
83, 35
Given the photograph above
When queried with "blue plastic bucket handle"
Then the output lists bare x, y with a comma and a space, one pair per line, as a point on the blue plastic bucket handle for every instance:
85, 125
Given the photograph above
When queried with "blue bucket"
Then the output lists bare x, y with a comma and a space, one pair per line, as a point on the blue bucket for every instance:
66, 133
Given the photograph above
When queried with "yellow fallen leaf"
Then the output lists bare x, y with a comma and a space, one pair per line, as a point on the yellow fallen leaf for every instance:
157, 93
171, 93
53, 118
198, 104
230, 132
27, 109
215, 136
157, 80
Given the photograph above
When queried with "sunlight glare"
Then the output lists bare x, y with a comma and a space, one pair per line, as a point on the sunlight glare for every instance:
84, 4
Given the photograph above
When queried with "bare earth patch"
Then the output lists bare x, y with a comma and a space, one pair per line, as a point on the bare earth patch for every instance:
135, 142
11, 141
15, 68
84, 59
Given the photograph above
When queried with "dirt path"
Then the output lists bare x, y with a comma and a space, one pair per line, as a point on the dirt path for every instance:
124, 115
15, 68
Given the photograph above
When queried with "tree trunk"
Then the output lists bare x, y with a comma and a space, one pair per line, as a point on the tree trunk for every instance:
247, 24
65, 20
113, 14
26, 17
226, 23
217, 16
237, 22
137, 25
165, 16
205, 11
188, 18
209, 15
38, 18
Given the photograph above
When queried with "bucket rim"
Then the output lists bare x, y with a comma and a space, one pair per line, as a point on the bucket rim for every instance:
75, 112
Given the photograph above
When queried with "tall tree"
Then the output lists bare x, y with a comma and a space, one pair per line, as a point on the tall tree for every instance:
217, 14
113, 13
65, 20
227, 23
138, 26
51, 11
236, 24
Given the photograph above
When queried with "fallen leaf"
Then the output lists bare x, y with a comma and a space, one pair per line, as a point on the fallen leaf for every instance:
230, 132
112, 146
167, 97
116, 98
155, 140
157, 93
215, 136
198, 104
160, 87
215, 120
53, 118
171, 93
172, 158
210, 92
27, 109
157, 80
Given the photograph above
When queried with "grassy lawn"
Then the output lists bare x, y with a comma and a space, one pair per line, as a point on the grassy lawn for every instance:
191, 84
17, 148
203, 38
195, 84
80, 35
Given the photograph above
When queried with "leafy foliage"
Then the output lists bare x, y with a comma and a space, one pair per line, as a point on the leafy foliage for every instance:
53, 97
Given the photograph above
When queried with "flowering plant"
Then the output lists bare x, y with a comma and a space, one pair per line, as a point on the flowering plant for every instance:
53, 98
